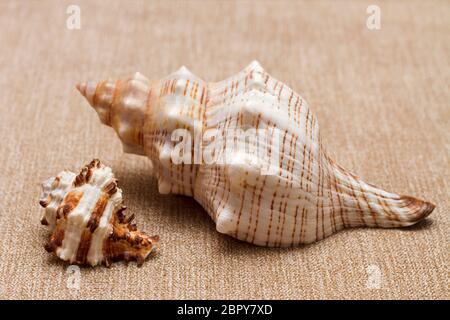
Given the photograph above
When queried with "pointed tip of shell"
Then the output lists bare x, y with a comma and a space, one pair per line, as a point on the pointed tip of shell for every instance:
255, 65
183, 71
419, 209
155, 239
87, 90
81, 87
140, 77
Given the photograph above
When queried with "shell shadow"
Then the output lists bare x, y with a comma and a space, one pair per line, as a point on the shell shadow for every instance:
180, 213
184, 213
175, 211
233, 247
419, 226
139, 185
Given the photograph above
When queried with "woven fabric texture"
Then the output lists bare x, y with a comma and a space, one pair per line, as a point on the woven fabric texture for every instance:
381, 98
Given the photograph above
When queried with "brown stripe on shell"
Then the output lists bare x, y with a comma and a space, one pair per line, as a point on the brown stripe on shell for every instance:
256, 122
322, 184
280, 210
57, 237
303, 225
387, 211
298, 110
107, 251
318, 201
336, 188
366, 201
258, 210
242, 202
110, 188
333, 214
274, 195
226, 191
56, 182
71, 200
289, 183
355, 198
45, 202
419, 209
295, 225
290, 169
80, 178
186, 87
95, 95
97, 213
92, 224
83, 247
269, 229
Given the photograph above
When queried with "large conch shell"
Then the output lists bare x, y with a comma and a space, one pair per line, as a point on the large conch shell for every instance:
300, 197
85, 213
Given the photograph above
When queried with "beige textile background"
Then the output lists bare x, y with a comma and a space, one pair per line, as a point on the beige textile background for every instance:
381, 97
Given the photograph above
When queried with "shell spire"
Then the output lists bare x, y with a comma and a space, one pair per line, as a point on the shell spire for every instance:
249, 150
85, 214
121, 105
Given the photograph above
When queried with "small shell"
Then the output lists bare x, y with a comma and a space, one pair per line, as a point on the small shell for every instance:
85, 214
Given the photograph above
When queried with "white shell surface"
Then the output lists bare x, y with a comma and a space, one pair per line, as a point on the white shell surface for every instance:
277, 191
